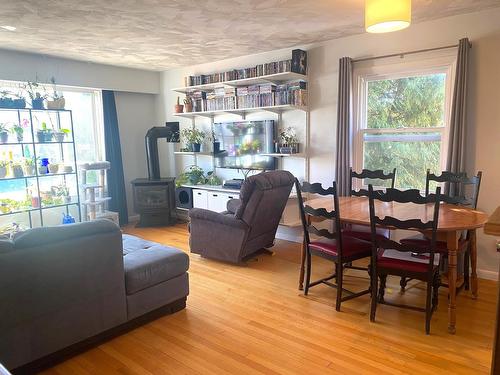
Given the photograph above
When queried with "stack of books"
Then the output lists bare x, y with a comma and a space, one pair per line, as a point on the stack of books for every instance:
265, 95
297, 64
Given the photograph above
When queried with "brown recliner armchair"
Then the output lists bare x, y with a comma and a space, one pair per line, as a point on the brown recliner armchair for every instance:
250, 223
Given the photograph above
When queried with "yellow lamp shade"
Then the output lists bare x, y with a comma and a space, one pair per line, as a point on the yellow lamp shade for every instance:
384, 16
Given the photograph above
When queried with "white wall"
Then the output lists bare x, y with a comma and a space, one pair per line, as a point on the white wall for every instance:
22, 66
482, 28
136, 114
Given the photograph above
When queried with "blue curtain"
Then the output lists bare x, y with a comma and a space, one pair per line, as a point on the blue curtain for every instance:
116, 180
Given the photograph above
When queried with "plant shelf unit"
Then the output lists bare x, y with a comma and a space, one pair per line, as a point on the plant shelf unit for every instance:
64, 151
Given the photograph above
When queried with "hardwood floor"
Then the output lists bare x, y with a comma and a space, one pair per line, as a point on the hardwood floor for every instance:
253, 320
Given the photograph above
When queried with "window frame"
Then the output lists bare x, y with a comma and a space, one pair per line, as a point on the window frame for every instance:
435, 63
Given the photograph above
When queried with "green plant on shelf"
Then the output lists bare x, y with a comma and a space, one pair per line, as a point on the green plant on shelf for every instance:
8, 205
193, 175
18, 129
28, 165
3, 167
213, 179
17, 169
192, 136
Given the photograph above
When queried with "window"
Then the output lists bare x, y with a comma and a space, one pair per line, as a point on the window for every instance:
401, 121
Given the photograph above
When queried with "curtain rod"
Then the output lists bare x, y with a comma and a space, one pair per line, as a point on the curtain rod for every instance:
402, 54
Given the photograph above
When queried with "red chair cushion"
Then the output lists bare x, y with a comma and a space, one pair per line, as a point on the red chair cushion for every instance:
421, 241
410, 264
363, 232
352, 247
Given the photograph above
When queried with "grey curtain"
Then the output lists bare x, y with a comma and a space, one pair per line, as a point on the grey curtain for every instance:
344, 126
116, 180
458, 120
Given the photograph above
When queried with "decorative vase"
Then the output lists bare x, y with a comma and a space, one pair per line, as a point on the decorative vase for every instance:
195, 147
56, 104
3, 172
188, 107
35, 202
17, 171
44, 166
59, 136
20, 137
179, 108
4, 137
19, 103
37, 103
44, 136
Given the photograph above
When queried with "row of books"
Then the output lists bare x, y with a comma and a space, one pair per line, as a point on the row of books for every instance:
266, 95
296, 64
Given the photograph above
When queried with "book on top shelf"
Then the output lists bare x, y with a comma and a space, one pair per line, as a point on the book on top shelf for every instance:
297, 64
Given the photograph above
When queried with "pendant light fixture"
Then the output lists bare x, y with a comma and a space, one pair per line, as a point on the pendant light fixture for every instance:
384, 16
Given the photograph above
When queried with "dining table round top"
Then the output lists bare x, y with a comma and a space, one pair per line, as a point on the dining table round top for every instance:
356, 210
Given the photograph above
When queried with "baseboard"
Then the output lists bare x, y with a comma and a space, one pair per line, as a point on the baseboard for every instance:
487, 275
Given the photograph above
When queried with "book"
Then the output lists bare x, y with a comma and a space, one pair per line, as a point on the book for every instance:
299, 61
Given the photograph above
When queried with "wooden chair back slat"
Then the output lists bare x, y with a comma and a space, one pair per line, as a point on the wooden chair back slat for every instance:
461, 184
373, 175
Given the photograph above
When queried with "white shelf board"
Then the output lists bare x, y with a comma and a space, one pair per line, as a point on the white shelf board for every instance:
243, 111
279, 155
270, 78
190, 153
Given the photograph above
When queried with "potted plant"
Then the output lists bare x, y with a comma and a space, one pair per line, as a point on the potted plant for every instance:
53, 167
61, 134
33, 91
215, 142
61, 191
28, 166
188, 104
3, 168
58, 101
193, 137
289, 141
193, 175
213, 179
179, 108
10, 100
17, 169
4, 134
44, 134
18, 129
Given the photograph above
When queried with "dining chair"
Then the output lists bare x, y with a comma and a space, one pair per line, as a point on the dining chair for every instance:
363, 231
390, 257
333, 246
465, 192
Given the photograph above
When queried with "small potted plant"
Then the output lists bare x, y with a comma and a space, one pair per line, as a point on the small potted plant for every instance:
3, 168
215, 142
18, 129
33, 91
179, 108
17, 169
53, 167
193, 175
193, 137
44, 134
28, 166
61, 134
11, 100
4, 134
58, 101
188, 104
289, 141
62, 191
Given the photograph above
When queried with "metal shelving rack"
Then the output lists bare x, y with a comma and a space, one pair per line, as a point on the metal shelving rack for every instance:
75, 199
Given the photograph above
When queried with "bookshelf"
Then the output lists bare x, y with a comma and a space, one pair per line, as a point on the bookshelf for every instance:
272, 112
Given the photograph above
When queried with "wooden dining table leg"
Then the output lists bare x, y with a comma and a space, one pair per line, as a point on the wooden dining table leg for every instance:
473, 263
452, 245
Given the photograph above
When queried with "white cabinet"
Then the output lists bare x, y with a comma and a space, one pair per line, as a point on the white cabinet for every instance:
211, 199
200, 199
217, 201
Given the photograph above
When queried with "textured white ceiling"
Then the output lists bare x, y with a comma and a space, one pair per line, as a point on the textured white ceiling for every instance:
163, 34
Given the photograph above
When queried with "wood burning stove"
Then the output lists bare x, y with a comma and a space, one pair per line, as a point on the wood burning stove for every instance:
154, 197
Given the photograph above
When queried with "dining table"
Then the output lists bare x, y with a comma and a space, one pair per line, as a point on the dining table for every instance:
453, 221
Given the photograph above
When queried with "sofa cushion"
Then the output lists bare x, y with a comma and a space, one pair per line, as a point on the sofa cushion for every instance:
150, 263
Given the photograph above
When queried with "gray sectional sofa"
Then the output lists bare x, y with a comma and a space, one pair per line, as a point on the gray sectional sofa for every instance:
62, 285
